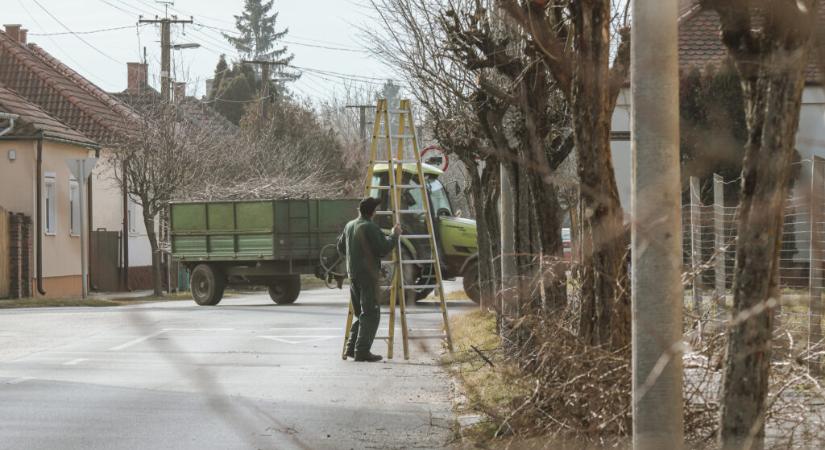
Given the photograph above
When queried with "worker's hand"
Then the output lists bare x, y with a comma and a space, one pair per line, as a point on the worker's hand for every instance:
396, 230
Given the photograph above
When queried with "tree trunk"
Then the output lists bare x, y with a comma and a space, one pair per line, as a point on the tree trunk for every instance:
486, 274
605, 310
773, 97
149, 222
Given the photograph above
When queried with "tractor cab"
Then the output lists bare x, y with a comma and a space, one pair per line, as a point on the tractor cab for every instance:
456, 237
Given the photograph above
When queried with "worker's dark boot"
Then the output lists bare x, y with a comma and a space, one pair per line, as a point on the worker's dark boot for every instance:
369, 357
350, 353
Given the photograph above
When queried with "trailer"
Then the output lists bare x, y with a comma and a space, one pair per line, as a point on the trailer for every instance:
268, 243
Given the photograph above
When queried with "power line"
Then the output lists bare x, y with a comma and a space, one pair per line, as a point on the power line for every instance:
291, 42
101, 30
36, 2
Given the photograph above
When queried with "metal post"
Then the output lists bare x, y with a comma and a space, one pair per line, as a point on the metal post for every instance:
264, 92
81, 185
696, 243
656, 228
815, 265
508, 250
719, 242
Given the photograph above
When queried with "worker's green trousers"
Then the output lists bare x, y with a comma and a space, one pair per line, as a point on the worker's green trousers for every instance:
364, 298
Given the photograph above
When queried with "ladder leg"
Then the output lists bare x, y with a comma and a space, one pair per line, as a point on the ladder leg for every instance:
404, 330
391, 333
347, 331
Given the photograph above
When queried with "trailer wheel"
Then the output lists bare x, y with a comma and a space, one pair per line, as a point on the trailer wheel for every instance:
285, 291
207, 285
470, 282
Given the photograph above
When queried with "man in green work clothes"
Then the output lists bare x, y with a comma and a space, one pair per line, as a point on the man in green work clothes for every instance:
365, 244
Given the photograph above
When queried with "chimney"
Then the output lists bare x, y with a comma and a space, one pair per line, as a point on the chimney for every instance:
24, 33
137, 76
13, 31
180, 91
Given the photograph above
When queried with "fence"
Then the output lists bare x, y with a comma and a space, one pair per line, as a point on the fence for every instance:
709, 242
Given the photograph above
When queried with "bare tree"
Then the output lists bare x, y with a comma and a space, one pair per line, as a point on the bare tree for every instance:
769, 43
575, 40
169, 152
412, 40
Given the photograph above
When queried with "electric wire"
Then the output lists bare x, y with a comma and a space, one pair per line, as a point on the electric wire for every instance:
101, 52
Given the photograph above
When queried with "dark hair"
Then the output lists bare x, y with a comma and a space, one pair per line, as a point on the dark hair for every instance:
367, 206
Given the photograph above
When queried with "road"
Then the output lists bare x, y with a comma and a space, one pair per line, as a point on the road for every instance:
245, 374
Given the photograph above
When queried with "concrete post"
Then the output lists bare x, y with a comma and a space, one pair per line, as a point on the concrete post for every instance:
656, 227
696, 243
719, 243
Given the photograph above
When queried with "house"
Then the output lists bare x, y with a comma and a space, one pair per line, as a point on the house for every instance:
700, 46
61, 92
36, 178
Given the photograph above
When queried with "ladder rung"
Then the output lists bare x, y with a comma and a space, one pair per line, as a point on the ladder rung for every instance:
401, 136
399, 186
418, 261
420, 286
407, 312
400, 211
395, 161
416, 236
428, 336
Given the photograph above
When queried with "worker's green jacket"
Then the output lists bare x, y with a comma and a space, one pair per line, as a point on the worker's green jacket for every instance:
364, 244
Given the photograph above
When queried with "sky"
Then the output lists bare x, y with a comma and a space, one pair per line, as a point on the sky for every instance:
324, 36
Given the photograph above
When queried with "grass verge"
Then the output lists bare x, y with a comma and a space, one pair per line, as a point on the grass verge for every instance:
488, 383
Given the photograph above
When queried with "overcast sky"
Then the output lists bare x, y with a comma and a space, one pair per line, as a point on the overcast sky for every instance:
323, 35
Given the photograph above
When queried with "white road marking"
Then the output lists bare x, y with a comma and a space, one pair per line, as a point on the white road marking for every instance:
301, 339
19, 380
74, 362
198, 329
299, 328
136, 341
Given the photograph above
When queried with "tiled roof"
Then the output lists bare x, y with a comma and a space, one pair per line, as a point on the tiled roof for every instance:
33, 119
700, 42
34, 74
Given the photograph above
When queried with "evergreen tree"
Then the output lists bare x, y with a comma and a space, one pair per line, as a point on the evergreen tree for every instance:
221, 73
257, 38
237, 91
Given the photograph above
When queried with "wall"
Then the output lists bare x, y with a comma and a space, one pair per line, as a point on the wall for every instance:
108, 211
61, 251
810, 138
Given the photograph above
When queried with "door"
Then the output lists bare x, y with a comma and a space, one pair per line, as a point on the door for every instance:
104, 260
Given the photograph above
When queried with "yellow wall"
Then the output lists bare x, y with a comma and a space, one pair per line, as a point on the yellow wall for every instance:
61, 252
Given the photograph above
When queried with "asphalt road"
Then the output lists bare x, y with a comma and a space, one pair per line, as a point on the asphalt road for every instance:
245, 374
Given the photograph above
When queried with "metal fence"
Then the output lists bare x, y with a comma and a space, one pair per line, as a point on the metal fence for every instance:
709, 243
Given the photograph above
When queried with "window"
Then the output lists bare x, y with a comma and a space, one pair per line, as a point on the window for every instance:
132, 213
439, 198
74, 207
49, 206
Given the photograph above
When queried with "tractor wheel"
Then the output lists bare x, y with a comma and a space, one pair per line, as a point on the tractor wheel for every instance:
470, 281
207, 284
285, 290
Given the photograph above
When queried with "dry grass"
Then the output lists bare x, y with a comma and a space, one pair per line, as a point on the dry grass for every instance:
489, 387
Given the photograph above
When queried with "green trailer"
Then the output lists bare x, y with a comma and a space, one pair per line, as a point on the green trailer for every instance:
254, 243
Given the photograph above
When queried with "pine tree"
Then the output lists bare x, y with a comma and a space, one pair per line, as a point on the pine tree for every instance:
257, 38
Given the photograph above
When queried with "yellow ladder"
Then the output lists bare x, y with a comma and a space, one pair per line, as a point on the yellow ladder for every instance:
383, 138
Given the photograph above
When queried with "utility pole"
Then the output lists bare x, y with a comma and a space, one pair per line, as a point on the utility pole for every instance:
362, 128
656, 235
265, 78
166, 49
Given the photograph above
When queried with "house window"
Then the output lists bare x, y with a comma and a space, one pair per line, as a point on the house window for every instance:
132, 211
74, 207
50, 206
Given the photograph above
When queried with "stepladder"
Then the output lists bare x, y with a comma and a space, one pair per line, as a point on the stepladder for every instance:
415, 265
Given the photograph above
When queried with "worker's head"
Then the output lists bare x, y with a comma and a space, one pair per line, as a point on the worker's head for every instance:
367, 206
